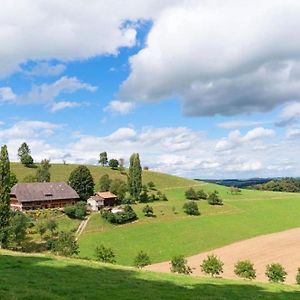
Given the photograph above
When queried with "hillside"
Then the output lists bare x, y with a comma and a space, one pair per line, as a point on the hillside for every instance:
60, 172
45, 277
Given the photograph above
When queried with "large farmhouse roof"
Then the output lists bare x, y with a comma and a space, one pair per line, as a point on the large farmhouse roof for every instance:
41, 191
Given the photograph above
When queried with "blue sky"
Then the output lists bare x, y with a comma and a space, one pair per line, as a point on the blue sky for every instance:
199, 89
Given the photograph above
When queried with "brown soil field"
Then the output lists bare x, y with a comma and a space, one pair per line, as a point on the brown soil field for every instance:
282, 247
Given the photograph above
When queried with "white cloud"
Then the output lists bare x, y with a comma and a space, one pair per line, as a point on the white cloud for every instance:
293, 132
6, 94
290, 114
56, 106
44, 30
235, 124
119, 107
46, 69
220, 57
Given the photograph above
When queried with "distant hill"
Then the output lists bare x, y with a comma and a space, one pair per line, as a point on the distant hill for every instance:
241, 183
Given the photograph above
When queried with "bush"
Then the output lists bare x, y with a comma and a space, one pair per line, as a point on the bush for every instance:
104, 254
298, 276
151, 185
77, 211
275, 272
214, 199
191, 208
142, 260
144, 197
191, 194
65, 245
148, 211
212, 265
201, 195
127, 215
179, 265
245, 269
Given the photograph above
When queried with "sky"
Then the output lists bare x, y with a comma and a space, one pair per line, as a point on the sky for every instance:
200, 88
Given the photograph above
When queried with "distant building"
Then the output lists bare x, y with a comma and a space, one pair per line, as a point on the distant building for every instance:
25, 196
101, 199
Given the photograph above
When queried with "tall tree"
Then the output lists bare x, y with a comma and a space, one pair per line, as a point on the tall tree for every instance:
4, 196
135, 176
104, 183
103, 160
43, 171
82, 182
24, 155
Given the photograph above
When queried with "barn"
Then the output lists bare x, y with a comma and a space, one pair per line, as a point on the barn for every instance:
26, 196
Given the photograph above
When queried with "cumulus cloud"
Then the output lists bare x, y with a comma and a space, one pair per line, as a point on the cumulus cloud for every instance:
43, 30
6, 94
46, 69
220, 57
119, 107
235, 138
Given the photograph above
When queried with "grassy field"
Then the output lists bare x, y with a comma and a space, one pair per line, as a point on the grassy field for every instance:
242, 216
37, 277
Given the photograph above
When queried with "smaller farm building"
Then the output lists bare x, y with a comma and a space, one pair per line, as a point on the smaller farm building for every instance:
101, 199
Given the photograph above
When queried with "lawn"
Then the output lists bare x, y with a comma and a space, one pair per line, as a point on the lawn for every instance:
249, 214
44, 277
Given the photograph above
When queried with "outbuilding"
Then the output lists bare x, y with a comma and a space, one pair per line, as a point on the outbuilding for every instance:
101, 199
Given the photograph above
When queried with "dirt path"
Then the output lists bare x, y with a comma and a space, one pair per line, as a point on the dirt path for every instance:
81, 227
282, 247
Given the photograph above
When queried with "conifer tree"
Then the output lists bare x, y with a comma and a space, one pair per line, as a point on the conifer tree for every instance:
135, 176
4, 196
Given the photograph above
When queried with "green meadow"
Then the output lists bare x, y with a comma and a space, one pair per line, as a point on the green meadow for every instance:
35, 277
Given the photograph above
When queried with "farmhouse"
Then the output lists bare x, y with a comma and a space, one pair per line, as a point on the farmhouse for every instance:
101, 199
25, 196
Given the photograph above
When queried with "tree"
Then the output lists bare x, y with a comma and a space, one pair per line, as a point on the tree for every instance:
191, 208
104, 183
144, 197
148, 211
245, 269
24, 155
82, 182
13, 179
151, 185
298, 276
77, 211
48, 226
214, 199
135, 176
113, 163
275, 272
119, 188
122, 166
103, 160
43, 173
104, 254
4, 196
141, 260
191, 194
18, 226
65, 244
179, 265
234, 190
212, 265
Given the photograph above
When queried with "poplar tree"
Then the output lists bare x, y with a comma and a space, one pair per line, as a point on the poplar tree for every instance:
135, 176
4, 196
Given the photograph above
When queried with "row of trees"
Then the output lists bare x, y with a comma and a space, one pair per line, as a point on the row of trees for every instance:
212, 198
213, 266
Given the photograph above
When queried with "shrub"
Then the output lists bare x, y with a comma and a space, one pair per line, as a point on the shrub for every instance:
151, 185
127, 215
214, 199
275, 272
212, 265
179, 265
191, 194
65, 245
298, 276
148, 211
142, 259
245, 269
77, 211
144, 197
104, 254
191, 208
201, 195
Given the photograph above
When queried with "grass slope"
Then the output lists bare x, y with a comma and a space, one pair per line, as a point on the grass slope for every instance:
43, 277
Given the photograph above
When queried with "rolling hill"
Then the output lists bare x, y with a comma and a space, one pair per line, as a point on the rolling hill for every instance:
37, 277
